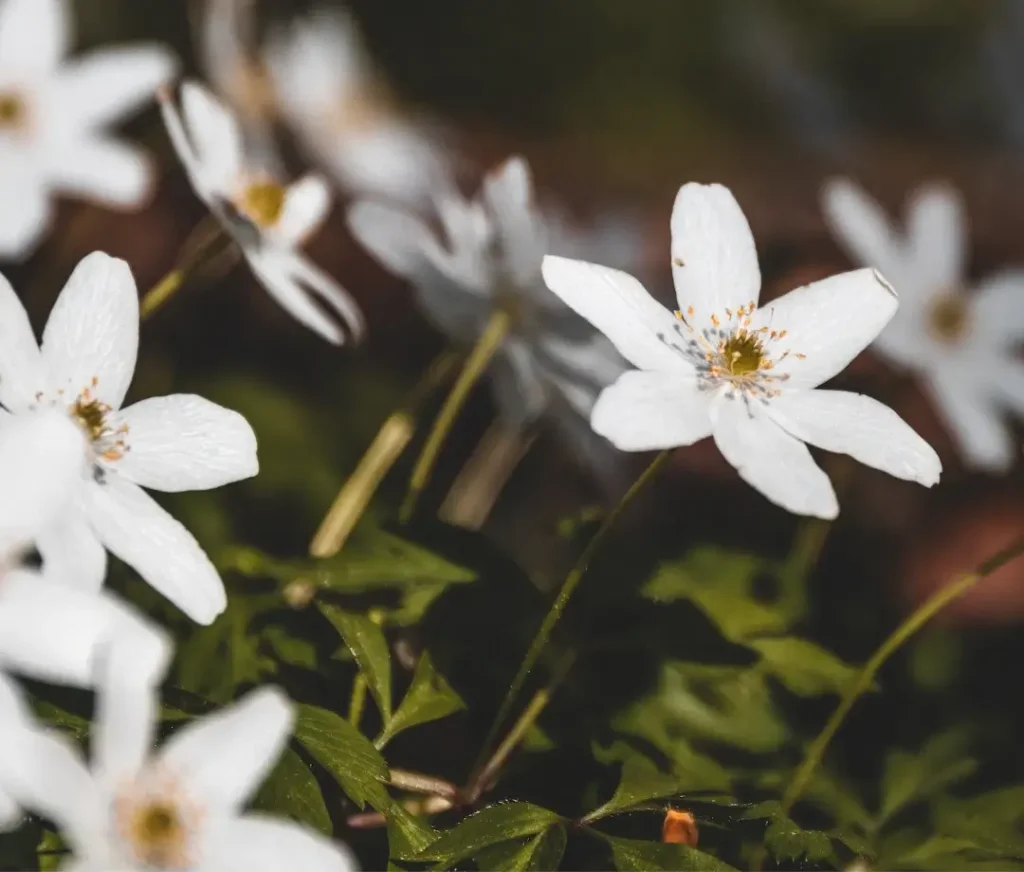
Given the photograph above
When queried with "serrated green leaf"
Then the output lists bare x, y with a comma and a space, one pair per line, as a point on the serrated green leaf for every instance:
804, 668
346, 753
640, 781
637, 855
291, 790
726, 704
721, 584
785, 840
910, 777
541, 853
429, 698
366, 641
992, 821
496, 823
407, 834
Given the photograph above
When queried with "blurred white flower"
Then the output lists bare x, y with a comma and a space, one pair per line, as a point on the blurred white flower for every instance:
491, 260
180, 808
745, 375
267, 219
53, 115
327, 89
961, 342
176, 443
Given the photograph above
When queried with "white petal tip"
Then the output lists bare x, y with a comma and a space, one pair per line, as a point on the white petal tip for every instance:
880, 279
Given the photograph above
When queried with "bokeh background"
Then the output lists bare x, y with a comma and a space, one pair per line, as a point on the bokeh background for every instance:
616, 104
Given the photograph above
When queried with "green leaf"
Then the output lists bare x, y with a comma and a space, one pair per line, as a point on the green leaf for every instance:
993, 821
407, 834
366, 641
639, 782
496, 823
785, 840
70, 724
541, 853
911, 777
291, 790
346, 753
721, 584
637, 855
429, 698
803, 667
290, 649
726, 704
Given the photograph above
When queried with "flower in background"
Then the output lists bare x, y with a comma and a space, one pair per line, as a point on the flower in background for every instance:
176, 443
962, 343
267, 219
327, 89
53, 115
747, 376
180, 808
491, 260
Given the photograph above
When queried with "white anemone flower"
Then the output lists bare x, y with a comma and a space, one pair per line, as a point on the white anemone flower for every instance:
267, 219
53, 118
179, 808
327, 89
961, 342
747, 376
491, 260
177, 443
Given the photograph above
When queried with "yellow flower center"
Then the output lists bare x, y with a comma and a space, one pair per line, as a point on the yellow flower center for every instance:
949, 317
742, 354
158, 836
262, 202
91, 414
13, 111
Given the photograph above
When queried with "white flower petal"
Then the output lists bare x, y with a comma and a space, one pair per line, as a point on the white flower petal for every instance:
644, 411
714, 261
183, 146
864, 230
936, 231
306, 205
44, 771
22, 371
224, 756
617, 304
215, 136
42, 459
72, 555
104, 170
106, 85
1008, 386
292, 279
997, 309
25, 213
827, 324
256, 843
864, 428
184, 442
34, 34
973, 418
128, 703
92, 337
519, 391
769, 459
396, 238
54, 633
508, 193
131, 524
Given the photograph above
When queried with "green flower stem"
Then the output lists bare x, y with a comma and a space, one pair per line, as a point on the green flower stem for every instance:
564, 594
391, 440
474, 367
903, 633
206, 241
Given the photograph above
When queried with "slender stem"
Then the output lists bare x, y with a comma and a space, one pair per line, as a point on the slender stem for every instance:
358, 702
482, 780
391, 440
474, 367
904, 632
577, 572
204, 242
